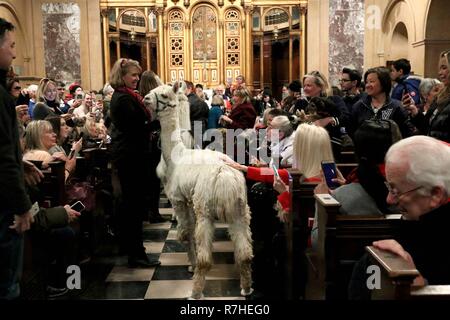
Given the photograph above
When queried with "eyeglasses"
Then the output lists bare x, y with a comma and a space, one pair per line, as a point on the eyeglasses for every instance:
344, 80
396, 194
17, 88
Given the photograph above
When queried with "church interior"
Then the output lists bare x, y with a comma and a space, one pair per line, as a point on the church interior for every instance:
241, 224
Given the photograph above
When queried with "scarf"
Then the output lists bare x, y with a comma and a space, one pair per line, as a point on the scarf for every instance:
138, 99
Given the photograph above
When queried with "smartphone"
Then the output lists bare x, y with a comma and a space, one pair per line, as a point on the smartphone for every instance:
275, 171
330, 172
78, 206
79, 97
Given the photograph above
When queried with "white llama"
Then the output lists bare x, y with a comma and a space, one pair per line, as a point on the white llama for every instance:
201, 188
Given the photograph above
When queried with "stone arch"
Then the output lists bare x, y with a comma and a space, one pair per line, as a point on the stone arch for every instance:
399, 43
22, 58
398, 24
437, 37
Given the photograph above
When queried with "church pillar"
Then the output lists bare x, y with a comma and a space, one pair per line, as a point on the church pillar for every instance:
248, 47
161, 55
261, 59
303, 11
147, 40
106, 57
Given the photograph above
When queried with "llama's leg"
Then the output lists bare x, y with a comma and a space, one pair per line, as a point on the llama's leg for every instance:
192, 250
204, 233
186, 228
241, 236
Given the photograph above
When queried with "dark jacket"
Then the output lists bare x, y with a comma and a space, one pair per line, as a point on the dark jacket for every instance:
408, 84
391, 110
435, 123
425, 240
131, 128
13, 196
198, 111
51, 218
243, 116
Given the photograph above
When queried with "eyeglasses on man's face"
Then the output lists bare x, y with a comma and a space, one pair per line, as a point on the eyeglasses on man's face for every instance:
397, 194
344, 80
17, 88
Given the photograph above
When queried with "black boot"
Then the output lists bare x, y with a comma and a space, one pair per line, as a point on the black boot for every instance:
141, 261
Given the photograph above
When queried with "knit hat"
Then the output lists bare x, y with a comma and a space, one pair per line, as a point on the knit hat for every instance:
73, 87
295, 86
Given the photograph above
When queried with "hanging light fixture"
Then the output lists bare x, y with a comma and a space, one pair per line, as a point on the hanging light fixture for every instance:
276, 32
132, 34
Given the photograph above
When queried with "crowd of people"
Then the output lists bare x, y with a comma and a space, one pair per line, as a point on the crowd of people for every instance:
385, 114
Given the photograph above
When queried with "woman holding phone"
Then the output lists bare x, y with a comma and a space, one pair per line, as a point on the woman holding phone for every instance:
311, 146
62, 131
132, 155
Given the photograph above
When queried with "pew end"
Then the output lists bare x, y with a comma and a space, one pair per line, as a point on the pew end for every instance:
397, 277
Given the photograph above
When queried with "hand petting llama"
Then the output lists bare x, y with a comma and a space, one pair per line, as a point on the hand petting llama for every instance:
202, 188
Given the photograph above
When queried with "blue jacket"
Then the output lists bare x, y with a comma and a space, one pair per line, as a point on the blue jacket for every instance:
411, 85
213, 117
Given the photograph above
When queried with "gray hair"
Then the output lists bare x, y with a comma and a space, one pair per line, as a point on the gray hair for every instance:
427, 160
107, 89
426, 85
283, 124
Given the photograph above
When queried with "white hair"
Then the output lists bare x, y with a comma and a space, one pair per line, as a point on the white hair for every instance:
426, 85
427, 161
33, 88
283, 124
107, 89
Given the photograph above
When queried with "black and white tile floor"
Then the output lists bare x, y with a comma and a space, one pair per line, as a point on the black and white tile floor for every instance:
108, 277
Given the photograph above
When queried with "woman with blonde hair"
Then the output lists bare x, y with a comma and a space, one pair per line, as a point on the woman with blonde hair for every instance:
48, 101
39, 139
131, 156
243, 113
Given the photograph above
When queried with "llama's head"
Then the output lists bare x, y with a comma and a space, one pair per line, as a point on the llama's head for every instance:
162, 98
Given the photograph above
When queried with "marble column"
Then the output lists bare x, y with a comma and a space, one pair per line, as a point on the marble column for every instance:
346, 35
61, 25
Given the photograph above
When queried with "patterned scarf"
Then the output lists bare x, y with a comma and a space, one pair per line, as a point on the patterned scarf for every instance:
138, 98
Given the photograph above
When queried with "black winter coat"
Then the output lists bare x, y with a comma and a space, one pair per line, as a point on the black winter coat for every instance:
391, 110
130, 132
13, 196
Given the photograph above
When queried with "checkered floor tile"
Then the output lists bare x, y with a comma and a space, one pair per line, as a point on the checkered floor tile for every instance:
170, 280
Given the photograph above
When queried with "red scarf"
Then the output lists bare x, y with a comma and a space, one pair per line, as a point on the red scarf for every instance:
353, 177
138, 98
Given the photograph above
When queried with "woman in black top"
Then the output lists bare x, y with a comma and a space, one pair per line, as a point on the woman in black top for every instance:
131, 151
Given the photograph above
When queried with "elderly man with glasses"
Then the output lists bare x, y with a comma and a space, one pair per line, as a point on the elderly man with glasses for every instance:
418, 180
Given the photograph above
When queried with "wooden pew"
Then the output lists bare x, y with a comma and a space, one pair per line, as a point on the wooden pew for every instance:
348, 157
302, 208
397, 276
52, 187
51, 194
341, 241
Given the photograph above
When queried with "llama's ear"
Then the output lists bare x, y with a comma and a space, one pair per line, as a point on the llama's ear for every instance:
175, 86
